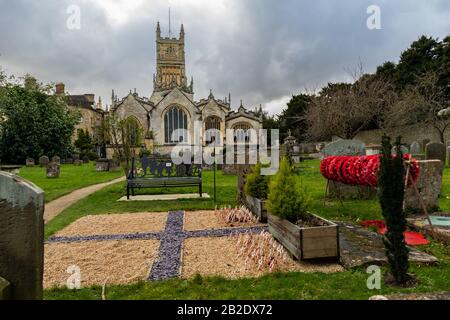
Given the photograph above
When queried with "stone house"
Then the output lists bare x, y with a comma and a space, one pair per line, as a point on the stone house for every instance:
91, 113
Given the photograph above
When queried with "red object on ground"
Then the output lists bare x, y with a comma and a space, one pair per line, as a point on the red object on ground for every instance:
411, 238
358, 170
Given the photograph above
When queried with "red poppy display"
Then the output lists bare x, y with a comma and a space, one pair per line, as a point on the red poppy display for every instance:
359, 170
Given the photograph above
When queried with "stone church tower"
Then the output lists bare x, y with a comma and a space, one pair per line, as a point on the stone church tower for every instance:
171, 105
170, 63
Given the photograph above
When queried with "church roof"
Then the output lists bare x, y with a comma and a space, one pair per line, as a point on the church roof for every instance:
85, 101
243, 112
143, 101
219, 102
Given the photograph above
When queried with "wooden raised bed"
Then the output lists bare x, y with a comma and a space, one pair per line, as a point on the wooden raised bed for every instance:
306, 243
257, 207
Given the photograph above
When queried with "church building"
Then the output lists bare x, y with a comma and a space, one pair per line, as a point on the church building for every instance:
172, 105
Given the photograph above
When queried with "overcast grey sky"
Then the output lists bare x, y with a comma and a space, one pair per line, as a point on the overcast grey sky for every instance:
262, 51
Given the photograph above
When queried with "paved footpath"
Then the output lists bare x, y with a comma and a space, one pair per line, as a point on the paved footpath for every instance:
55, 207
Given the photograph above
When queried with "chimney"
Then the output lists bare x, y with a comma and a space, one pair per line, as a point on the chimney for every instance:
60, 88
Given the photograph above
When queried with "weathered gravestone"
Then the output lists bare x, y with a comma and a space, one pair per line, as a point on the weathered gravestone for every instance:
102, 165
344, 148
77, 162
21, 236
53, 170
29, 162
340, 190
69, 161
86, 159
75, 157
435, 151
56, 159
44, 161
429, 185
415, 148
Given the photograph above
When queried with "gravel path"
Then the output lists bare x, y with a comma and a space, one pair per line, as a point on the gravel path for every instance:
133, 236
168, 263
55, 207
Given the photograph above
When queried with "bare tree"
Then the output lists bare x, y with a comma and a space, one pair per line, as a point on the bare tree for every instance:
420, 103
124, 136
345, 109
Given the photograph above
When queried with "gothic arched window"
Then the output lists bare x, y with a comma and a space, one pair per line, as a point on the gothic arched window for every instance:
175, 119
212, 125
241, 132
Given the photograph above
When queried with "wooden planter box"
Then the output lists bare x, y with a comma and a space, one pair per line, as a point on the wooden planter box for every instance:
257, 206
307, 242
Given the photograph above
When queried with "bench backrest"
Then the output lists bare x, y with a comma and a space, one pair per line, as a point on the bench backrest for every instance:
162, 168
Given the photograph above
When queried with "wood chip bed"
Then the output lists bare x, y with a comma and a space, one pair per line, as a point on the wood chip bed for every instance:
126, 223
201, 256
117, 262
204, 220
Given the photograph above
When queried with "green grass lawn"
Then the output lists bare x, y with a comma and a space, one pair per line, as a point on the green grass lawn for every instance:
350, 284
71, 178
105, 201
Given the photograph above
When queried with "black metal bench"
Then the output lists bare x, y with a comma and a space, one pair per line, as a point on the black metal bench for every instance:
162, 173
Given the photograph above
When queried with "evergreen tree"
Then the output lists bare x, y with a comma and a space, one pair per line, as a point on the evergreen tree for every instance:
33, 122
391, 184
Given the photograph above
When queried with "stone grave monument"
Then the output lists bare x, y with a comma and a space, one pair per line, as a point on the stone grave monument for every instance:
53, 170
21, 239
44, 161
29, 162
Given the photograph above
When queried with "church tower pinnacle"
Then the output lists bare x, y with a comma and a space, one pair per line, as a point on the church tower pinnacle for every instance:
170, 62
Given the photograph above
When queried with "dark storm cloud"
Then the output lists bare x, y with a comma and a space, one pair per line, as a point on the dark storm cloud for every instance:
259, 50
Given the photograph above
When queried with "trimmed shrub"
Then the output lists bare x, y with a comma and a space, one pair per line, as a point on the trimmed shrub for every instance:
256, 185
287, 198
391, 194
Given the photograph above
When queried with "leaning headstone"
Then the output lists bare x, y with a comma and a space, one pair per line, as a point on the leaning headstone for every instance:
77, 162
44, 161
21, 237
415, 148
53, 170
56, 159
435, 151
429, 185
29, 162
86, 159
344, 148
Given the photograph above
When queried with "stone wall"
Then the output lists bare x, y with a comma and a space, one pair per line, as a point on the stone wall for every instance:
21, 236
408, 133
